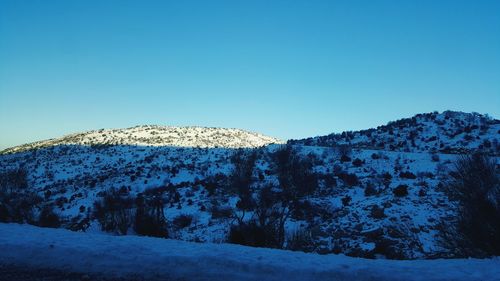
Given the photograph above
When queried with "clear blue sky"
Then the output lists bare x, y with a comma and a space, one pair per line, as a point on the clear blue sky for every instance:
288, 69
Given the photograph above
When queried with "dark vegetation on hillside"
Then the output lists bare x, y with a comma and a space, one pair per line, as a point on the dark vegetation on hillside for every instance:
409, 134
474, 184
18, 203
335, 199
273, 204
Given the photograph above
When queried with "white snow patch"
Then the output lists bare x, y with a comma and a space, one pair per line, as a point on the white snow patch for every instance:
162, 258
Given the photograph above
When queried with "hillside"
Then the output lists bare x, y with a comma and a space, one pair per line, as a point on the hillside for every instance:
343, 193
157, 136
145, 258
447, 132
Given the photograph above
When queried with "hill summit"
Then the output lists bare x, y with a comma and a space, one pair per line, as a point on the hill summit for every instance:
153, 135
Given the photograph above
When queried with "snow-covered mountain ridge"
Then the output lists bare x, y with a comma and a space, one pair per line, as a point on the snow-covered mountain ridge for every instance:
446, 132
370, 199
158, 136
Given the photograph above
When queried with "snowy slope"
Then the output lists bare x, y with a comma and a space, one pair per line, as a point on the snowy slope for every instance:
73, 177
446, 132
158, 136
365, 218
161, 259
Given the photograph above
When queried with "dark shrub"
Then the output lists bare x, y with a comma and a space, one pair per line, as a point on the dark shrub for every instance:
182, 221
468, 137
346, 200
487, 143
60, 201
377, 212
401, 190
255, 235
357, 162
435, 157
300, 240
14, 180
386, 179
387, 176
407, 175
4, 213
389, 248
344, 149
345, 158
114, 212
295, 173
213, 182
370, 190
349, 179
422, 192
476, 185
149, 217
247, 234
221, 212
267, 228
48, 218
329, 180
241, 177
17, 202
246, 203
302, 210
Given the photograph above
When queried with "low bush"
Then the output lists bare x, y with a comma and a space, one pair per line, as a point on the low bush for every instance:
346, 200
377, 212
407, 175
476, 186
358, 162
435, 158
401, 190
370, 190
349, 179
219, 212
114, 212
17, 202
149, 216
300, 240
345, 158
48, 218
182, 221
255, 235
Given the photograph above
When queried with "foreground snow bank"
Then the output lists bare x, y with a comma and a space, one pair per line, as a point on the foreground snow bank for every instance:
153, 258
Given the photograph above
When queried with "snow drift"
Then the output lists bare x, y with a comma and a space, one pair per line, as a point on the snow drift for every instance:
159, 259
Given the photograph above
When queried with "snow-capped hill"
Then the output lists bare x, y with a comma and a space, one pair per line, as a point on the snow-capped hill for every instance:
158, 136
384, 197
446, 132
